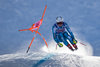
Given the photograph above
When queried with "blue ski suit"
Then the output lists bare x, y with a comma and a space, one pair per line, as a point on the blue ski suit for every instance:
62, 34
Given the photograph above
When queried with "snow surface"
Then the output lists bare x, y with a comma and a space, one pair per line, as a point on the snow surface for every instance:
42, 59
62, 57
83, 16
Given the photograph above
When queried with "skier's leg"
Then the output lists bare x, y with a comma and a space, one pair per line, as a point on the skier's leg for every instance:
56, 38
71, 40
65, 42
59, 40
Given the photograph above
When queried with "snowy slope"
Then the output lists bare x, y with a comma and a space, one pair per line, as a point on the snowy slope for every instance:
48, 60
62, 57
81, 15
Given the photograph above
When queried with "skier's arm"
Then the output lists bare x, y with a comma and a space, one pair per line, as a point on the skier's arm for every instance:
69, 30
54, 34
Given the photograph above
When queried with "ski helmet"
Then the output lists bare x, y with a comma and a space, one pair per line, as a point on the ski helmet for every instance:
59, 19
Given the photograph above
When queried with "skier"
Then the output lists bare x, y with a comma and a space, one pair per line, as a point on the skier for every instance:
62, 33
34, 28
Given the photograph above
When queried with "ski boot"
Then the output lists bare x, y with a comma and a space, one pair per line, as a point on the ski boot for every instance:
75, 46
70, 47
60, 44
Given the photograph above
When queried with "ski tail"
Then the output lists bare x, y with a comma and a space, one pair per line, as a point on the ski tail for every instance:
30, 45
27, 49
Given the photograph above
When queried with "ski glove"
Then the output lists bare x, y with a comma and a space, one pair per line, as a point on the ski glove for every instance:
74, 41
60, 44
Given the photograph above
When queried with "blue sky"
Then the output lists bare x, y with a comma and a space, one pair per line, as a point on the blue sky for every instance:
81, 15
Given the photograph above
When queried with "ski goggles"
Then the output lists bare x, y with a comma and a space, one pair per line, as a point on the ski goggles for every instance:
59, 23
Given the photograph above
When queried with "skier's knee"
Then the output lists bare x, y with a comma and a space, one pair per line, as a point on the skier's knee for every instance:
70, 47
75, 46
